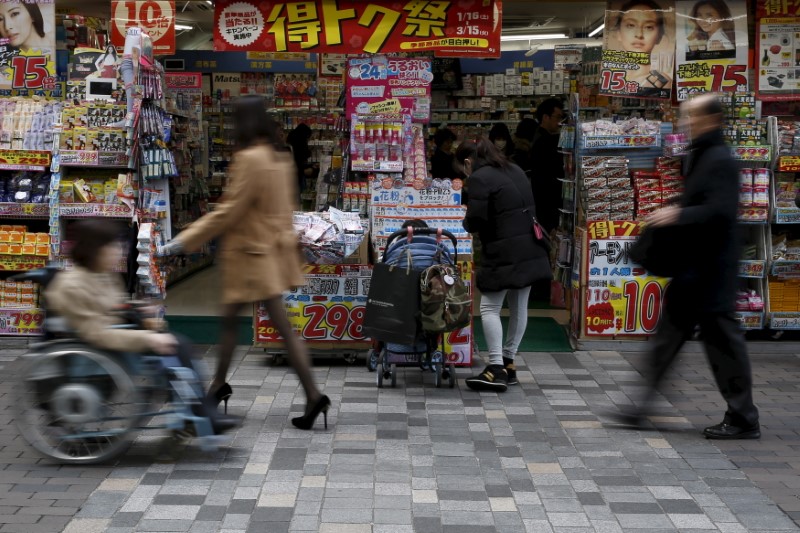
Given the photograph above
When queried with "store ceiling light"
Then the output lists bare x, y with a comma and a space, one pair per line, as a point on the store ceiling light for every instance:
597, 30
532, 37
181, 27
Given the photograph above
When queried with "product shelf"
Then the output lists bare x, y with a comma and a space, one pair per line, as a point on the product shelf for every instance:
476, 122
15, 210
21, 322
752, 268
750, 320
21, 263
95, 211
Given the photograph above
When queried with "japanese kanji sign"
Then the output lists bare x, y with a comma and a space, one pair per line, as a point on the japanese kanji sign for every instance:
441, 27
778, 49
27, 46
156, 17
383, 84
621, 297
715, 56
638, 49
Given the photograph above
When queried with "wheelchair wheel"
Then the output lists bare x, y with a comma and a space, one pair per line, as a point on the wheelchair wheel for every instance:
373, 357
77, 406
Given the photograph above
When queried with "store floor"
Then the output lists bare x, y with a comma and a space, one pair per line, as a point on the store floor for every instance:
417, 459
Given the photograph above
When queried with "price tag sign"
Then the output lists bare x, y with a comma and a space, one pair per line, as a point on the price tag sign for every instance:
750, 320
752, 269
155, 17
789, 163
20, 263
621, 141
79, 158
25, 322
24, 160
785, 321
752, 153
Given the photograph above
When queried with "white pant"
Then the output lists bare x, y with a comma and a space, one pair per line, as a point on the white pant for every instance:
491, 303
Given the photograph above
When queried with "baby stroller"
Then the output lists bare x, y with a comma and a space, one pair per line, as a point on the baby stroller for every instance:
77, 404
427, 352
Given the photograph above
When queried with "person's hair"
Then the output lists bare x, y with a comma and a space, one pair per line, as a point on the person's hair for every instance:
499, 131
91, 236
414, 223
483, 153
526, 129
653, 6
710, 106
548, 107
443, 135
725, 18
252, 122
298, 140
36, 17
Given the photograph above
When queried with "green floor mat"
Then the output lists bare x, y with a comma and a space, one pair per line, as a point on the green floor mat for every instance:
543, 334
205, 329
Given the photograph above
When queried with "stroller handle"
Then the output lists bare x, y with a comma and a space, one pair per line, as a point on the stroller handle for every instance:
422, 231
42, 276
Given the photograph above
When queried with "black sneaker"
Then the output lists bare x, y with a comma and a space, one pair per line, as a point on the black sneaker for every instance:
511, 370
493, 378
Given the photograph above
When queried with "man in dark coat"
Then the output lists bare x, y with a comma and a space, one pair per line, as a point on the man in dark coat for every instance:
703, 290
547, 164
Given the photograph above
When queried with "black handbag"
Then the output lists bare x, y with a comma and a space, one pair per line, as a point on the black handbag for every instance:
392, 309
661, 251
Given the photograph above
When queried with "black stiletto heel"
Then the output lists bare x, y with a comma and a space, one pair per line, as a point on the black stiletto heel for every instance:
307, 421
223, 393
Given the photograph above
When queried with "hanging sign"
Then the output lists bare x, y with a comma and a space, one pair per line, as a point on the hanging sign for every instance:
356, 26
155, 17
390, 85
715, 56
777, 49
621, 298
27, 46
638, 49
184, 80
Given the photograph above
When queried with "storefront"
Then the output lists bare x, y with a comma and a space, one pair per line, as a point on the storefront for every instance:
373, 82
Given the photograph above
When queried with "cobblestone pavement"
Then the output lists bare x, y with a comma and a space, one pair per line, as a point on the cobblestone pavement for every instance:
416, 458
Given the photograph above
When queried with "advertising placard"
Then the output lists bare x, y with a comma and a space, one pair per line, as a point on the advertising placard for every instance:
568, 56
184, 80
715, 56
638, 49
25, 322
621, 298
381, 85
27, 46
155, 17
777, 49
467, 29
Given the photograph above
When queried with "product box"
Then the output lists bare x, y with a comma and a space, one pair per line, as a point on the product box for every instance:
66, 193
647, 183
43, 250
670, 196
621, 195
645, 208
649, 195
598, 193
593, 183
619, 183
592, 216
546, 77
79, 139
598, 205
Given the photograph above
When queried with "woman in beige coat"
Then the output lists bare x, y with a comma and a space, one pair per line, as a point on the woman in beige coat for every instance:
259, 256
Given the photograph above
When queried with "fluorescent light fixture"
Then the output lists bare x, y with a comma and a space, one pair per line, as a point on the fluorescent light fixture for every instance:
597, 30
532, 37
183, 27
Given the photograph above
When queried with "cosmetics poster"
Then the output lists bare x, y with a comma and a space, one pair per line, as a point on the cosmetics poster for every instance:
27, 46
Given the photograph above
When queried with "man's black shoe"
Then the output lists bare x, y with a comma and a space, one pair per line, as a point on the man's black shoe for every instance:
725, 431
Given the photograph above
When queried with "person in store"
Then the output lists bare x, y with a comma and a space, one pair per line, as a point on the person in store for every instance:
523, 143
548, 163
501, 137
639, 28
22, 24
703, 289
298, 139
499, 211
442, 158
260, 254
714, 30
91, 298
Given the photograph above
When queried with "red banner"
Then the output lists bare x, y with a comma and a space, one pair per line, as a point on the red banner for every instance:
184, 80
155, 17
446, 28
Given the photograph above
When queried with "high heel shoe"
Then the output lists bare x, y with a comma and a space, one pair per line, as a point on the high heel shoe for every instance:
223, 393
307, 420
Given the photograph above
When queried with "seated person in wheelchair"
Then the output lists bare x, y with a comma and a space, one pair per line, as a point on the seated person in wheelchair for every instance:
91, 297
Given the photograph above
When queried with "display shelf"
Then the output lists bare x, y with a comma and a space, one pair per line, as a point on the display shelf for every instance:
461, 110
15, 210
784, 321
77, 158
759, 153
21, 322
752, 268
785, 269
595, 142
32, 160
750, 320
21, 263
95, 211
191, 268
477, 122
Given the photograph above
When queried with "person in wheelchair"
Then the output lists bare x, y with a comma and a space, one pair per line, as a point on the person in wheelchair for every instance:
92, 300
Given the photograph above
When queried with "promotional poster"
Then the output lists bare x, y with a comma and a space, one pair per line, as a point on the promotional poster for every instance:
27, 45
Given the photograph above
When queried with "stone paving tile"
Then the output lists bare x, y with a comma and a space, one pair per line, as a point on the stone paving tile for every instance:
420, 459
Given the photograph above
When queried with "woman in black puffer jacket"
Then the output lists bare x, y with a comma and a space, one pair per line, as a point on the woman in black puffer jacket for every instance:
511, 257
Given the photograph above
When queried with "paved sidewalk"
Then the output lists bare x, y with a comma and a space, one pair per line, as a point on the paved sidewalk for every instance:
416, 458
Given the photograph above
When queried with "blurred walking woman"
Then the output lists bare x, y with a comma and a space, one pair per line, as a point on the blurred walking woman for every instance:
511, 258
259, 255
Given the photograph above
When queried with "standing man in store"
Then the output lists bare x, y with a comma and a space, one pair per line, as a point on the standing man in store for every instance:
703, 290
442, 159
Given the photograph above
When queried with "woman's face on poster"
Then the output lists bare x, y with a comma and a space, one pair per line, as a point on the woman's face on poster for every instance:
708, 19
16, 24
639, 30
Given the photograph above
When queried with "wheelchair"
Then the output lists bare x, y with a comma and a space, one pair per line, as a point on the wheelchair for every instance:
77, 404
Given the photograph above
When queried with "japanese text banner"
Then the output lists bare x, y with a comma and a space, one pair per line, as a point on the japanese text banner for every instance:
465, 28
27, 47
715, 56
155, 17
777, 49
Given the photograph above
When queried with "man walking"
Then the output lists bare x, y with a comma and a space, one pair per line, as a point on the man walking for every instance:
703, 292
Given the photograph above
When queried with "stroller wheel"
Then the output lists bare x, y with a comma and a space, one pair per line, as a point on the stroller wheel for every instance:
394, 375
372, 360
437, 375
451, 371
